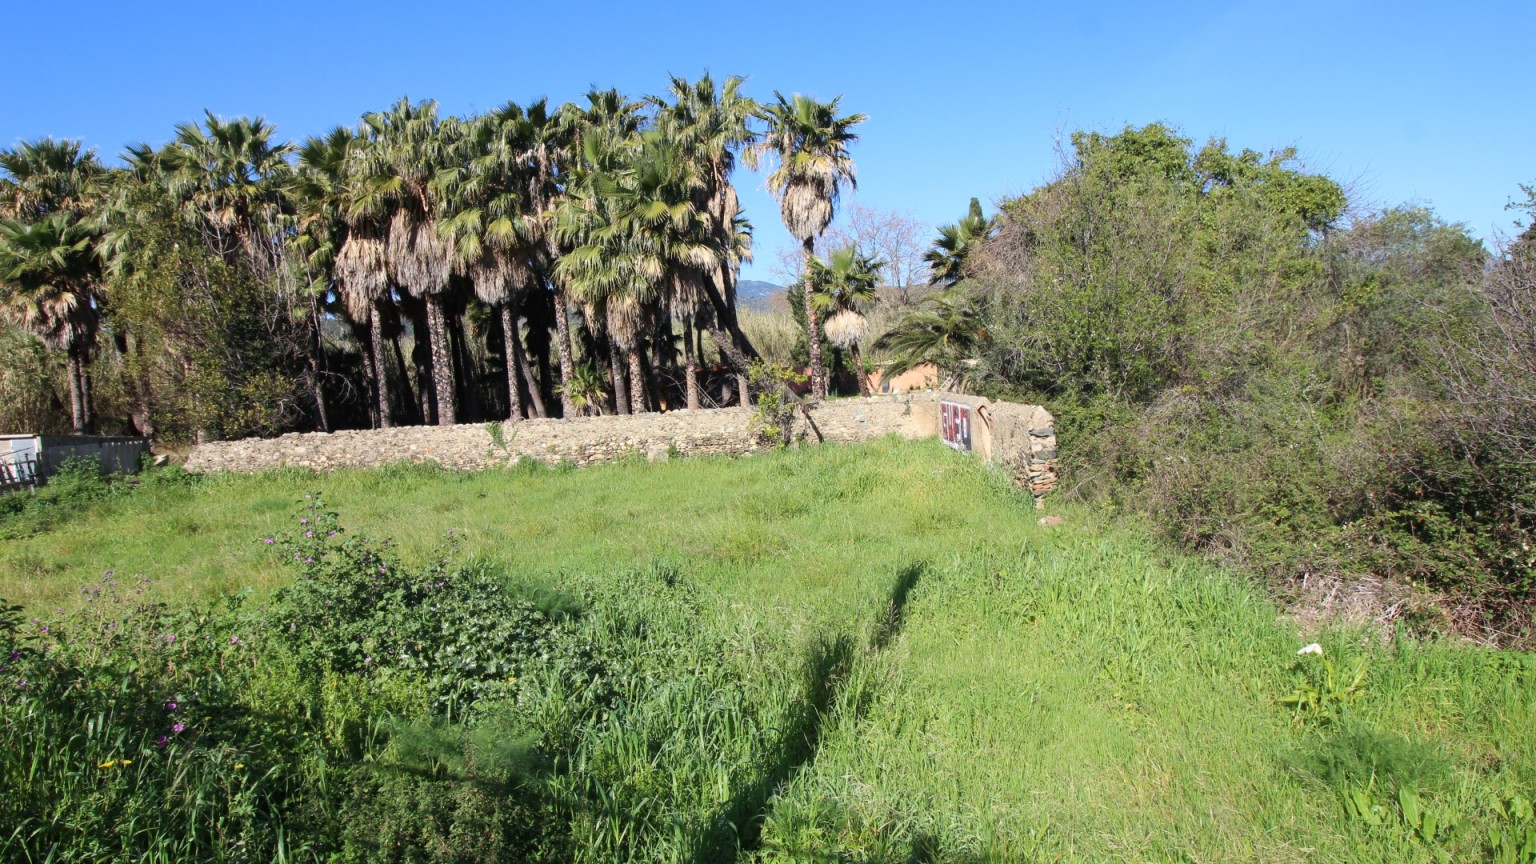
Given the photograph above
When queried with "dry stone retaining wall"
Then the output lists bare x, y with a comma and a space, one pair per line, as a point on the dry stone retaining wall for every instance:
1017, 437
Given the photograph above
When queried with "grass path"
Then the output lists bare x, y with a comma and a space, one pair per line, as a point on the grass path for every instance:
1066, 694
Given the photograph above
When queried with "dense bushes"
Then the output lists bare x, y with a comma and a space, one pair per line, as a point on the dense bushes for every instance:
1303, 392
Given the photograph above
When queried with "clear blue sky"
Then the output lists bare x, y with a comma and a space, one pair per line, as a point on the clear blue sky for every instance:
1423, 102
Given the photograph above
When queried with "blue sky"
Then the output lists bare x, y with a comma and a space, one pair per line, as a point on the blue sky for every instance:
1404, 102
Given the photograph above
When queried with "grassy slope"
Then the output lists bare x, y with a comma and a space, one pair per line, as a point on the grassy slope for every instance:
1074, 691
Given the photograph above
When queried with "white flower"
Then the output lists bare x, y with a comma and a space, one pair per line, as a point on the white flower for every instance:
1314, 648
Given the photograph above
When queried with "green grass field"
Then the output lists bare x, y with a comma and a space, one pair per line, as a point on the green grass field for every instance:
1015, 693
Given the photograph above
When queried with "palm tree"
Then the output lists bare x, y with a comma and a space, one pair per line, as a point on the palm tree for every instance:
712, 126
587, 223
950, 255
811, 142
407, 146
494, 230
46, 176
50, 275
346, 254
551, 142
232, 180
944, 330
231, 176
842, 287
49, 278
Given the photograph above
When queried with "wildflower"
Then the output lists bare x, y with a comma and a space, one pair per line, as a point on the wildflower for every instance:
239, 766
176, 728
171, 706
309, 534
113, 763
1314, 648
268, 540
234, 640
309, 560
170, 638
161, 741
303, 520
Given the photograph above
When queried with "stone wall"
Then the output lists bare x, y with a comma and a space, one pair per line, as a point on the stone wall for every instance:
1017, 437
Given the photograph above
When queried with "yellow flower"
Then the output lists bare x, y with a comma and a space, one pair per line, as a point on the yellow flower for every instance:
113, 763
239, 766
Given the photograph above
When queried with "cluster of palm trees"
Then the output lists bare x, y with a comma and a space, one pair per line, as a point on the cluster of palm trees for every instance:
599, 236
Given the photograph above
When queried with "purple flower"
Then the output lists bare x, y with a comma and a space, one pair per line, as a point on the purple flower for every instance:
268, 540
171, 706
309, 560
303, 520
161, 741
176, 728
234, 640
309, 533
330, 533
169, 638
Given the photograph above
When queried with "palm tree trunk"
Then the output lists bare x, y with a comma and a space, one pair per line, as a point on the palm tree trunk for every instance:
857, 357
316, 367
442, 360
813, 326
464, 370
514, 362
88, 394
690, 373
524, 369
616, 372
413, 415
636, 381
76, 391
563, 347
380, 371
737, 350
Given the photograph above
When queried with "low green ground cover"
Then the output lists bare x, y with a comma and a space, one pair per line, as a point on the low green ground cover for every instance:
865, 654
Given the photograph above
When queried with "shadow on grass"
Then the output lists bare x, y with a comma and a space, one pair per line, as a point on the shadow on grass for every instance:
890, 622
737, 829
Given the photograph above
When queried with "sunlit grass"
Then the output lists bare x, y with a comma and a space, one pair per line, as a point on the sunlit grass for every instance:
1074, 693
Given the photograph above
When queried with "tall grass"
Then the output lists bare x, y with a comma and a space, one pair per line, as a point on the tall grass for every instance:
844, 654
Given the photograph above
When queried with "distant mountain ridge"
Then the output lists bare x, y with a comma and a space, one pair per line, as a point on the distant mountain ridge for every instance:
756, 294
